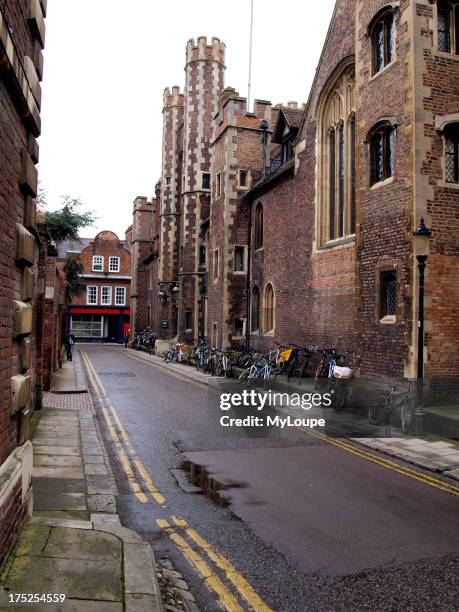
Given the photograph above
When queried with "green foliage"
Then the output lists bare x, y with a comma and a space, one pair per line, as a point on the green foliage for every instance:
73, 268
65, 223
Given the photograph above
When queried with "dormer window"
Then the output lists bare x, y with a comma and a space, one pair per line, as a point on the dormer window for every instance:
287, 149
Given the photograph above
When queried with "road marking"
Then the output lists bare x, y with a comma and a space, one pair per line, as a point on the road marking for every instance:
212, 581
135, 486
195, 383
390, 465
156, 495
241, 584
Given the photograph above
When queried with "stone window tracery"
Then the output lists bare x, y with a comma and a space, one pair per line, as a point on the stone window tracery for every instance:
336, 165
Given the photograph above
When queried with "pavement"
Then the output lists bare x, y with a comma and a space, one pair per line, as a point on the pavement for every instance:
430, 452
74, 545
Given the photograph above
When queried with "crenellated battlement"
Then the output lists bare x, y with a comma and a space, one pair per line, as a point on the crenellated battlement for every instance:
201, 50
173, 97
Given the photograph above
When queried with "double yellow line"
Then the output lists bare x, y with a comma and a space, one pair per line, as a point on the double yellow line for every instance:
180, 527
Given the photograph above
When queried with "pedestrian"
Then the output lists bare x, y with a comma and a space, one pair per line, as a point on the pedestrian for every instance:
68, 345
127, 333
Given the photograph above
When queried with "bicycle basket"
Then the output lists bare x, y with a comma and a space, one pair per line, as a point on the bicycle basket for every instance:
342, 372
286, 354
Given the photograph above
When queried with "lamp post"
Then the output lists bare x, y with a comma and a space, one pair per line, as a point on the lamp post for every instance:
421, 237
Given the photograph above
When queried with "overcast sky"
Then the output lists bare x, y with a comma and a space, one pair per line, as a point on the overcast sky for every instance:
107, 63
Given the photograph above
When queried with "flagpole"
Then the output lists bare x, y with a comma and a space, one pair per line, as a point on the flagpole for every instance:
249, 89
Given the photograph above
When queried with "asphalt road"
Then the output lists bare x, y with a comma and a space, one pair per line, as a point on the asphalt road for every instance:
309, 525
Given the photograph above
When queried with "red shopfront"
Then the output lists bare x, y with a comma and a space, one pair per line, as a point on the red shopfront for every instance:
98, 324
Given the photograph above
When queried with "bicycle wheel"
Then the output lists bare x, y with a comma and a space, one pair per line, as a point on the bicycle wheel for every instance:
291, 368
227, 367
376, 415
278, 366
407, 415
338, 396
219, 368
244, 376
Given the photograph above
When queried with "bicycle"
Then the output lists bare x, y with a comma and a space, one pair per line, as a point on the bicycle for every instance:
338, 380
223, 365
296, 363
260, 370
380, 414
279, 357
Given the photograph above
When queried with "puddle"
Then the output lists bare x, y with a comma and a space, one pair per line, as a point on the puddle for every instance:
199, 477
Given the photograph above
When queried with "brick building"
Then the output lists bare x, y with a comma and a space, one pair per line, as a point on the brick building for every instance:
295, 224
22, 33
101, 312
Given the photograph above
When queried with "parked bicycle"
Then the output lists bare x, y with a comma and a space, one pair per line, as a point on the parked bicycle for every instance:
401, 403
146, 340
223, 366
259, 370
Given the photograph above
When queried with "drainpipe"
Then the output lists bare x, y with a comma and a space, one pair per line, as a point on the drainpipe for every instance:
249, 258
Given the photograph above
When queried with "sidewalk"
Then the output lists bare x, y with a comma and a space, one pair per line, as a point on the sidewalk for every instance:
74, 544
433, 453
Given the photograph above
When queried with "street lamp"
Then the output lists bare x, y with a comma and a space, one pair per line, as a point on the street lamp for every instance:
421, 239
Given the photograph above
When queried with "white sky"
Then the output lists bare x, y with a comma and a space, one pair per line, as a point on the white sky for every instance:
107, 63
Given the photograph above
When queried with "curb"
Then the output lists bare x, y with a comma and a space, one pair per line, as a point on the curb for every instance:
141, 587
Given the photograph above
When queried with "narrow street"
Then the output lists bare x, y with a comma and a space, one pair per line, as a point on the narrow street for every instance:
304, 524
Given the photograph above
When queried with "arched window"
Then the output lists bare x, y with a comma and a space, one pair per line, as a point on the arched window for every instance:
268, 303
382, 152
383, 41
255, 310
448, 26
259, 226
452, 153
336, 160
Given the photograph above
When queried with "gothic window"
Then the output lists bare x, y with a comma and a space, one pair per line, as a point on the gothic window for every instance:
259, 226
388, 293
336, 161
448, 26
382, 153
383, 42
255, 310
452, 153
269, 309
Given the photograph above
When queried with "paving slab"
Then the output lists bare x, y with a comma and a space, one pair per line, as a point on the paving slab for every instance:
56, 450
77, 578
94, 459
138, 574
101, 503
57, 460
61, 501
58, 472
95, 469
83, 544
98, 485
101, 517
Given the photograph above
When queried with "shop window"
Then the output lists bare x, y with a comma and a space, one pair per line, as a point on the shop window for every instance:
388, 293
91, 294
87, 326
97, 263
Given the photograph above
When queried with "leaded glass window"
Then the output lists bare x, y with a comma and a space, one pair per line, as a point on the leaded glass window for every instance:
448, 26
383, 40
382, 154
452, 153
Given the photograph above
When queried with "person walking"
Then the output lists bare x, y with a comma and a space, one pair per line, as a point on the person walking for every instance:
127, 333
68, 345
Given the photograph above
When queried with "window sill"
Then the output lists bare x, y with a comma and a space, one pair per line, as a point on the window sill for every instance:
383, 183
238, 338
388, 320
239, 272
383, 70
445, 55
269, 334
259, 250
339, 242
445, 185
